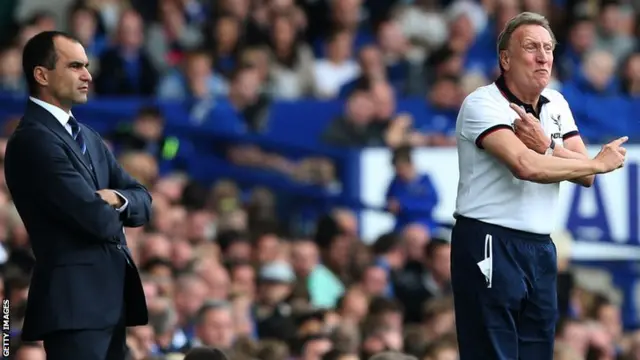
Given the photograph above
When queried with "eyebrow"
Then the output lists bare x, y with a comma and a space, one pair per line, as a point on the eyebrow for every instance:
78, 63
530, 41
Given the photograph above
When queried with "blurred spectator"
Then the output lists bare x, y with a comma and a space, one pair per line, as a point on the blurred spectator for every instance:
631, 76
214, 326
445, 349
355, 127
205, 354
323, 286
83, 24
147, 133
126, 68
423, 23
246, 99
419, 282
194, 78
273, 315
110, 12
395, 49
337, 68
372, 70
610, 36
292, 64
11, 79
411, 196
444, 101
167, 40
597, 76
223, 38
581, 40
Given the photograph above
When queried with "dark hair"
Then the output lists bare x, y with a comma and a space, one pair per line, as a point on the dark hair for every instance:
40, 50
434, 245
150, 111
203, 353
385, 243
401, 154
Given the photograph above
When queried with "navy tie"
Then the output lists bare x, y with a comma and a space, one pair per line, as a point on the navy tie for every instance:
77, 134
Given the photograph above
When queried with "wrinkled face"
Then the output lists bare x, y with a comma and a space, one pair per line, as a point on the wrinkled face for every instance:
529, 57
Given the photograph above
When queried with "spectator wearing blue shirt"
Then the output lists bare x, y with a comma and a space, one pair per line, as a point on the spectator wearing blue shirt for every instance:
411, 197
390, 256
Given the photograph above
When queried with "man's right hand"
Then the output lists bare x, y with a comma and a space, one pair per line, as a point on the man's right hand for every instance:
110, 197
612, 156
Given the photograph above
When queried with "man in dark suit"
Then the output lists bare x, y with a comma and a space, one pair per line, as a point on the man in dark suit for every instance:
75, 201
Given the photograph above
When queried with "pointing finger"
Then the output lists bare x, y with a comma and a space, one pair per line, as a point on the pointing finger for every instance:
518, 110
620, 141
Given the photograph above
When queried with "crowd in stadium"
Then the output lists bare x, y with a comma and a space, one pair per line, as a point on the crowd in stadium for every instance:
220, 263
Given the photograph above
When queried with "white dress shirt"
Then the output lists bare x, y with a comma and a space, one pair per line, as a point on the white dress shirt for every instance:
63, 118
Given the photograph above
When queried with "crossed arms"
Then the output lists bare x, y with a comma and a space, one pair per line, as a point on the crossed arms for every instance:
525, 161
71, 199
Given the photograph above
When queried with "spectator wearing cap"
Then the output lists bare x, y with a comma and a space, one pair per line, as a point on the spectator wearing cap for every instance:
272, 313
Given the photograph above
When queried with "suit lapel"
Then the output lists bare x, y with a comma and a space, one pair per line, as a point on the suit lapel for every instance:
93, 149
37, 112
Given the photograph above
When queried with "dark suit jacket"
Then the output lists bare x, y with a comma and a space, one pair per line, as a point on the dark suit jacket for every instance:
83, 274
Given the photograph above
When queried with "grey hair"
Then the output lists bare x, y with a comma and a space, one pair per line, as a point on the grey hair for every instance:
525, 18
392, 355
166, 319
210, 305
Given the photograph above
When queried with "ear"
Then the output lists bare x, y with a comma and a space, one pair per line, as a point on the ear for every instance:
41, 75
504, 59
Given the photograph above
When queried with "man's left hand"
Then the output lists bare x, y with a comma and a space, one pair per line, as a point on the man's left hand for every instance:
110, 197
529, 131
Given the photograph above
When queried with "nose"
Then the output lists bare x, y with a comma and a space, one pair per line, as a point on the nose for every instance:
542, 57
86, 75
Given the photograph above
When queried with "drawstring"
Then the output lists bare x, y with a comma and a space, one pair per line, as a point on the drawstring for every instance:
488, 251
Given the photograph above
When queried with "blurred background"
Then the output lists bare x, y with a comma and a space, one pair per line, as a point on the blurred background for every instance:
301, 157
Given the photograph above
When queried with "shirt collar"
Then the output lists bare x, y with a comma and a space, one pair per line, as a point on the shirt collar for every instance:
58, 113
502, 86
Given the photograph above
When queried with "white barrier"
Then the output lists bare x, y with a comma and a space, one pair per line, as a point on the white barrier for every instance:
608, 211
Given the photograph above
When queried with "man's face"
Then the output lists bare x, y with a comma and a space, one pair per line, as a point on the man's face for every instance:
68, 82
304, 258
131, 31
404, 169
375, 281
149, 127
247, 85
217, 329
529, 57
440, 264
